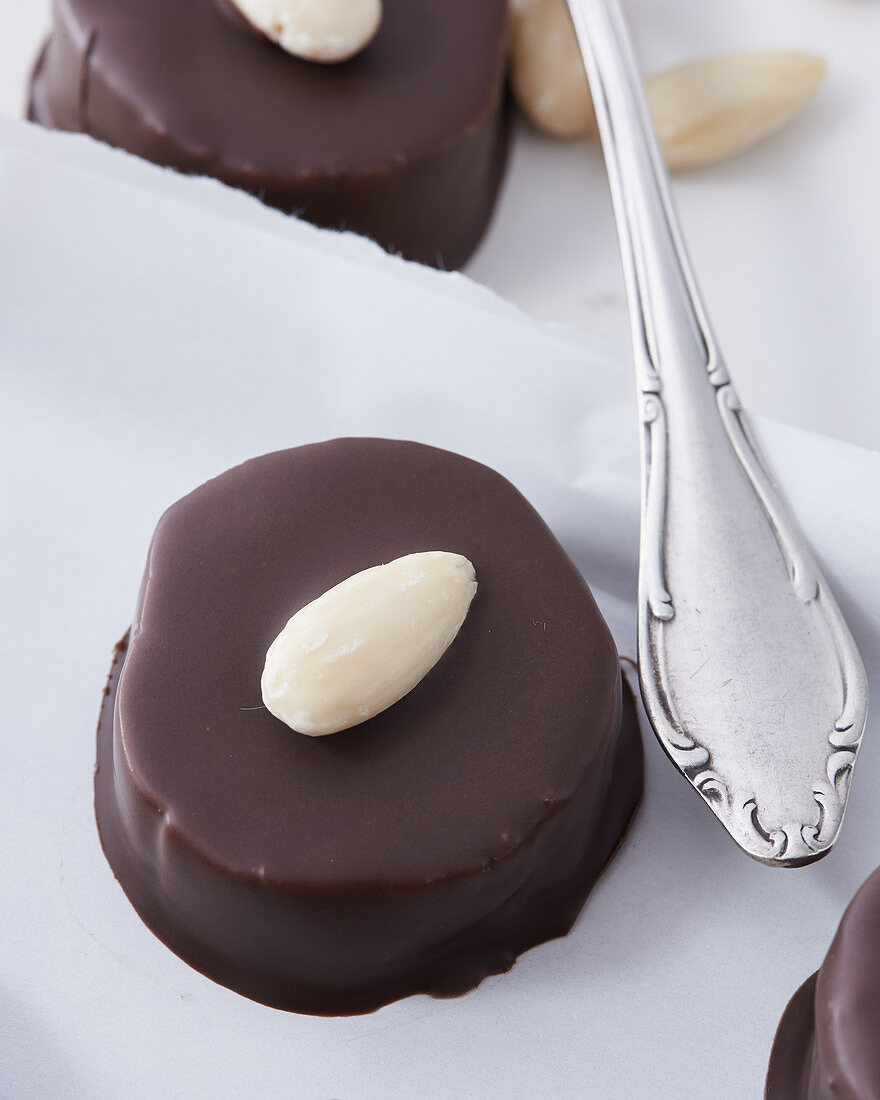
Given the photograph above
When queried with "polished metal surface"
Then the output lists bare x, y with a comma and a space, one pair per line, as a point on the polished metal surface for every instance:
749, 674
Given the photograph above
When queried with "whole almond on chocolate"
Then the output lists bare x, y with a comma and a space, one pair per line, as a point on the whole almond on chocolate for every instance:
326, 31
365, 643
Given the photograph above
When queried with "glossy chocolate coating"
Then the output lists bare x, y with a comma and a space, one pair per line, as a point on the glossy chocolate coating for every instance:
827, 1046
417, 852
404, 143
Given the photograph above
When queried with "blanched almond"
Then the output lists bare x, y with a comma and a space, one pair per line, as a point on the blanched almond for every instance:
704, 110
717, 106
546, 70
367, 642
317, 30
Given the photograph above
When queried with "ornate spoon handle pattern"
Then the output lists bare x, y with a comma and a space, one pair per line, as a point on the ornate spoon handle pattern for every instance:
749, 674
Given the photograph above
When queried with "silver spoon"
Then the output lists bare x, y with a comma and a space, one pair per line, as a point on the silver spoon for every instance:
749, 674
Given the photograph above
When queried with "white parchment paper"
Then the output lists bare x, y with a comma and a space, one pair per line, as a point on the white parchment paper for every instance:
156, 330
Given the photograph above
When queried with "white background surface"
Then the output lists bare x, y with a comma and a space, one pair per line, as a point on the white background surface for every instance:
786, 239
126, 384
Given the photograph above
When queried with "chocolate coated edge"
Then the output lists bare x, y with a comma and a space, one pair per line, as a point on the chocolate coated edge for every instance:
792, 1056
828, 1040
486, 950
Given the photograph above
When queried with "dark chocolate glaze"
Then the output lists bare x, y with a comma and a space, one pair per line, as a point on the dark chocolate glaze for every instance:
417, 852
405, 143
827, 1046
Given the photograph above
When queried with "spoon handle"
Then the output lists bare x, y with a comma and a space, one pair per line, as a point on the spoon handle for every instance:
749, 674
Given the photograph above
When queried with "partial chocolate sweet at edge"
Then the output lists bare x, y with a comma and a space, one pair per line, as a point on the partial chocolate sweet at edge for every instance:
418, 852
826, 1046
404, 143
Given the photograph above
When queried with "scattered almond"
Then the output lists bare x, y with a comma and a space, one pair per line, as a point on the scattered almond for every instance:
704, 110
546, 70
712, 108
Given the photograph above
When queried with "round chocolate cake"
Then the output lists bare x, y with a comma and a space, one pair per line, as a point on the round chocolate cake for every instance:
417, 852
827, 1047
405, 143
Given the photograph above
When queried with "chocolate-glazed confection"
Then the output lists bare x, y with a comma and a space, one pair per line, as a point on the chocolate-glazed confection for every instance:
827, 1046
417, 852
405, 143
